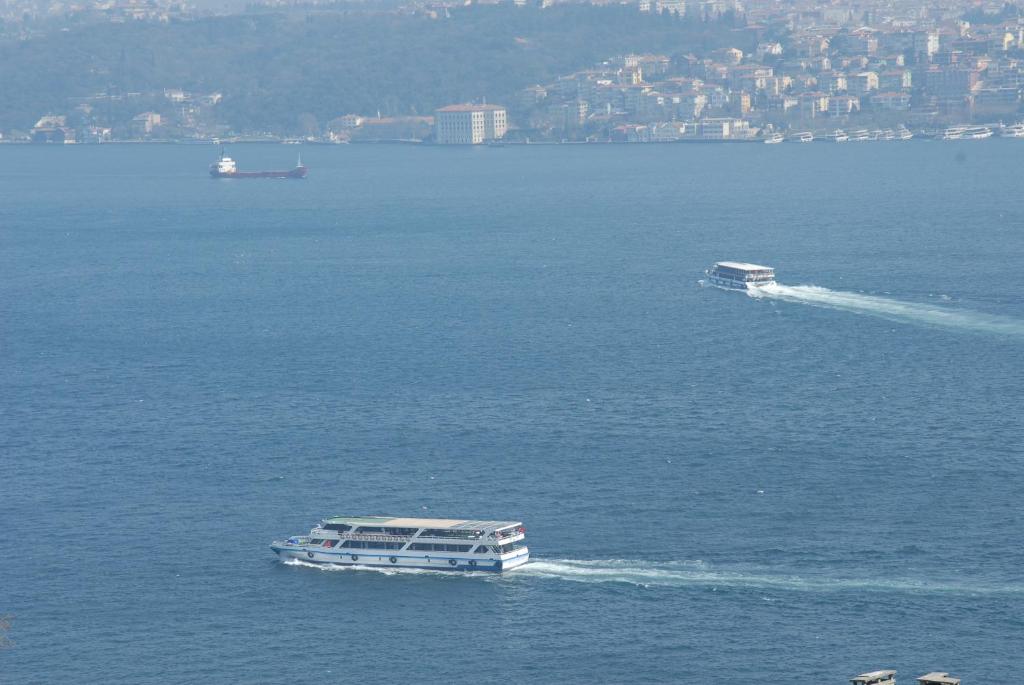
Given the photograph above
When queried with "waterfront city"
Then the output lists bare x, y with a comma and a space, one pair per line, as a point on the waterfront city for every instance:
756, 71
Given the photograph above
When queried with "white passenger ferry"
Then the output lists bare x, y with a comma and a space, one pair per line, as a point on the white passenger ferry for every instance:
976, 133
1012, 131
440, 544
953, 133
740, 275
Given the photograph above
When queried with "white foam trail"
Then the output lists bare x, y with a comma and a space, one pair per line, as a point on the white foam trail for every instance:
891, 309
698, 574
678, 574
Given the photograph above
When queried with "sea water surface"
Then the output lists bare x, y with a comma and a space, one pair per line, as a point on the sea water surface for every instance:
718, 488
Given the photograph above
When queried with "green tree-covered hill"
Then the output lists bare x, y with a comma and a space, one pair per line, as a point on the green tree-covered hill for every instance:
273, 68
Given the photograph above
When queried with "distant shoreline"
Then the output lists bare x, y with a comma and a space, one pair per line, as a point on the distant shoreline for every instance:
414, 143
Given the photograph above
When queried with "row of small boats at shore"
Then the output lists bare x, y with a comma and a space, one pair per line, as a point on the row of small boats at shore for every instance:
841, 136
962, 132
965, 132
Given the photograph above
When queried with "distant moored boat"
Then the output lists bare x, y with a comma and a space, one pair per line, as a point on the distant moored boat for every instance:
976, 133
1012, 131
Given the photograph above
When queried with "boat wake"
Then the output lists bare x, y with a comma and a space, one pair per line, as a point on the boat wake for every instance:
894, 310
680, 574
699, 574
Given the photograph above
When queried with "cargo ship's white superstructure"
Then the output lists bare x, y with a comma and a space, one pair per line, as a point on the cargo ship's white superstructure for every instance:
441, 544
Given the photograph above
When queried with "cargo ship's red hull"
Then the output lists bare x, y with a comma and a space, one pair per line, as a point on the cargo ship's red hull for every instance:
297, 172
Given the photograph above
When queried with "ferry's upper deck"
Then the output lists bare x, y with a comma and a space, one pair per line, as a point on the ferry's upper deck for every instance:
745, 268
740, 275
883, 677
421, 527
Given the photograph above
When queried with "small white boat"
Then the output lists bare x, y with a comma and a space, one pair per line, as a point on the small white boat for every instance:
385, 541
903, 133
953, 133
740, 275
1012, 131
803, 137
774, 138
883, 677
977, 133
859, 135
838, 136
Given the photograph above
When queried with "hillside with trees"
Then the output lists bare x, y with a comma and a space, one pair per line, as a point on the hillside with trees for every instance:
287, 71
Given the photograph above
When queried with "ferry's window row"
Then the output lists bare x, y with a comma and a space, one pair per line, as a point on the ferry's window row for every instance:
409, 532
417, 546
427, 547
359, 544
345, 528
461, 534
369, 530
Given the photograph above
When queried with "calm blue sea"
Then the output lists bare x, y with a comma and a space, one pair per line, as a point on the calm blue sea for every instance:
717, 488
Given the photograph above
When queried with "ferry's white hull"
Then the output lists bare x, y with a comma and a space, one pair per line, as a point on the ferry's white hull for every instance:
973, 133
402, 559
729, 284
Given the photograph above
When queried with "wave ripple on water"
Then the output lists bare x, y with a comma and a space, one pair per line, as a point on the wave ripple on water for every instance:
888, 308
699, 574
683, 574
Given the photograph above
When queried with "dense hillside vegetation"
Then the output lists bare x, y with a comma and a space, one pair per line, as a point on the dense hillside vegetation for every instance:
277, 69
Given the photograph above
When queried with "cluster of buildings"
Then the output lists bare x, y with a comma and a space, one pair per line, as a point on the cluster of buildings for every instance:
800, 66
459, 124
22, 18
796, 67
171, 114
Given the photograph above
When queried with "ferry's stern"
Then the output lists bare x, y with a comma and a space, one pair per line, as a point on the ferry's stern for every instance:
511, 548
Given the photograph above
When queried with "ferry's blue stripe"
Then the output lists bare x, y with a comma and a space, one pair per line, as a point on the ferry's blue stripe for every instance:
493, 568
386, 556
382, 557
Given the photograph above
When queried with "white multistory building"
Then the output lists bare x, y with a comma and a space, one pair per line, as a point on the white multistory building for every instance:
469, 124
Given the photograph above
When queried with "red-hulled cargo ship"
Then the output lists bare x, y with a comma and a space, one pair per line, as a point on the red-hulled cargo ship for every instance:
225, 167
